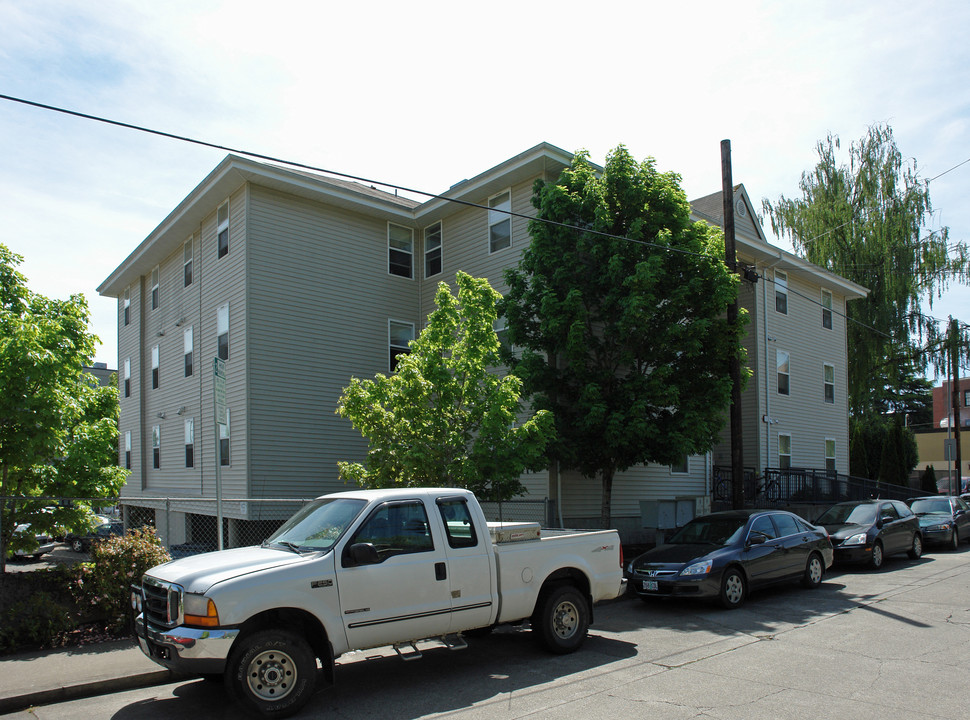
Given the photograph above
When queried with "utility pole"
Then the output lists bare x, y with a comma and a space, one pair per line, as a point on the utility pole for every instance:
955, 399
734, 362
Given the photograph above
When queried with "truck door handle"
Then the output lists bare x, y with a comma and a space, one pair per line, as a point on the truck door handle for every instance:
440, 571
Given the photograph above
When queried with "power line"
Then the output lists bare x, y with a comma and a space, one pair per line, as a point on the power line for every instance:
948, 171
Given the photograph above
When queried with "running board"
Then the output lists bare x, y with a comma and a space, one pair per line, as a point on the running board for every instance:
402, 651
454, 642
409, 650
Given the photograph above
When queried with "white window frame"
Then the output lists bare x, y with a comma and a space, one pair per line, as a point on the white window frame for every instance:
780, 372
225, 436
155, 355
187, 264
222, 226
827, 369
831, 456
126, 307
128, 449
675, 469
436, 252
826, 309
498, 213
127, 378
189, 442
781, 291
156, 447
397, 248
188, 357
392, 346
781, 463
156, 301
222, 330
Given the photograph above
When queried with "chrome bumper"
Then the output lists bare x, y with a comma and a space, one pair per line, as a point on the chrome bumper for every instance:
184, 649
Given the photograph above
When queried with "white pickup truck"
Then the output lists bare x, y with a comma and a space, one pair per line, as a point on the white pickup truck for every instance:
366, 569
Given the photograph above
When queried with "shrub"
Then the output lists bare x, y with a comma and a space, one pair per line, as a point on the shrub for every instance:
927, 481
33, 622
103, 586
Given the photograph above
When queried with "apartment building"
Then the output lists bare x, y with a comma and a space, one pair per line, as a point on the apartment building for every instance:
297, 282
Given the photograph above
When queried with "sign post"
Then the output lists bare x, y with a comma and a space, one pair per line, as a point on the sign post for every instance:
219, 401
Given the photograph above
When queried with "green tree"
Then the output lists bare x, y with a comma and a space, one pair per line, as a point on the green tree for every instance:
864, 220
58, 429
927, 481
621, 323
446, 417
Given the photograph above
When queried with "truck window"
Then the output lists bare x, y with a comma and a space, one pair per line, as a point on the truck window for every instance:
395, 529
458, 522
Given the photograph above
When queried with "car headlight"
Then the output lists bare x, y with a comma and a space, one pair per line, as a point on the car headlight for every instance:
199, 610
859, 539
938, 527
700, 568
629, 568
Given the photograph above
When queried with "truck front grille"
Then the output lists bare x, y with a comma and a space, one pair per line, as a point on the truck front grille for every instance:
163, 602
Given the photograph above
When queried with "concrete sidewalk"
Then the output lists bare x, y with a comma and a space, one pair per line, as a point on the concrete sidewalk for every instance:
43, 677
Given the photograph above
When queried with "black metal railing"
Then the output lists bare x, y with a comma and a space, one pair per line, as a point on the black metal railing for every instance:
786, 486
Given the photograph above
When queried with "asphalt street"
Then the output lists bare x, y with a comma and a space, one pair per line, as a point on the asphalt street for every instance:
892, 643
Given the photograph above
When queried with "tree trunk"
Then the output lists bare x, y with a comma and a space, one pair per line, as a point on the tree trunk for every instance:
605, 510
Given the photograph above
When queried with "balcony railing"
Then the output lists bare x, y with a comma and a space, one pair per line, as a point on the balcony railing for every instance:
785, 486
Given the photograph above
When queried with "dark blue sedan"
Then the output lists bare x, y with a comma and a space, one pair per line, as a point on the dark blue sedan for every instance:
725, 555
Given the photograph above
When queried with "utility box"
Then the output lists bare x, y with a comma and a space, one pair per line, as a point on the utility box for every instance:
659, 514
686, 510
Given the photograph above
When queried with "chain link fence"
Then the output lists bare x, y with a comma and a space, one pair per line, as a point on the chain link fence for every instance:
189, 526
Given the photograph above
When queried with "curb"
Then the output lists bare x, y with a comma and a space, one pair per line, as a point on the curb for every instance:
18, 703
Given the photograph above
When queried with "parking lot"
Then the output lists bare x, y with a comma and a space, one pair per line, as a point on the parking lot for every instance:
892, 643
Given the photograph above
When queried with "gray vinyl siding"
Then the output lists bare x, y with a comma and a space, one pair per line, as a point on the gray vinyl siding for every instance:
320, 301
130, 416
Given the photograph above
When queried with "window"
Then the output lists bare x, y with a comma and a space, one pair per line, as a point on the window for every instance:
786, 524
128, 449
127, 306
828, 382
781, 292
127, 377
155, 289
826, 310
784, 372
224, 441
432, 250
830, 455
400, 335
154, 367
400, 251
222, 332
682, 467
499, 221
156, 446
966, 398
501, 328
458, 522
396, 528
187, 263
764, 526
187, 345
222, 230
784, 451
190, 443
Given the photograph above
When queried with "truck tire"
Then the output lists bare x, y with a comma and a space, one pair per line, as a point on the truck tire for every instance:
271, 673
561, 620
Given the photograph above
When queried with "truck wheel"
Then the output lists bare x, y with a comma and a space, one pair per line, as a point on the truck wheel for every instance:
271, 673
561, 620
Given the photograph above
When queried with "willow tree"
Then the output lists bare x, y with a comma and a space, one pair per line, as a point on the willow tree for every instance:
865, 220
617, 307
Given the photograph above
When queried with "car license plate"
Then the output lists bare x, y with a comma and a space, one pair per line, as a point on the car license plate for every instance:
649, 584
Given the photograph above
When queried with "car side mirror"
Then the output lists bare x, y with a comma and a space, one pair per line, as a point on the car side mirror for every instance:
757, 538
363, 554
883, 519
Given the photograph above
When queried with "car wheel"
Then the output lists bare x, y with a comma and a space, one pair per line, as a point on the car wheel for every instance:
955, 540
561, 620
916, 549
813, 571
77, 546
272, 673
877, 558
733, 589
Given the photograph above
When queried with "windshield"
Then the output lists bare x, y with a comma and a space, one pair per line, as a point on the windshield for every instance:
848, 514
936, 506
710, 531
319, 525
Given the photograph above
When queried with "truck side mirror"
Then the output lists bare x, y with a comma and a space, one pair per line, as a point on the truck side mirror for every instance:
363, 554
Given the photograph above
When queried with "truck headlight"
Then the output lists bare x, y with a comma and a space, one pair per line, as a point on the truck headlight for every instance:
701, 568
199, 610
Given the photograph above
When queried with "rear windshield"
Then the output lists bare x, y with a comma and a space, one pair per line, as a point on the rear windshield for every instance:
935, 506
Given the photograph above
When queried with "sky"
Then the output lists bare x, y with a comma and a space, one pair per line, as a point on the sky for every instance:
426, 94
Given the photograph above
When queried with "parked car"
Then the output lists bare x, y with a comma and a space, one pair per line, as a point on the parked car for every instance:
83, 543
869, 531
943, 520
44, 543
726, 554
